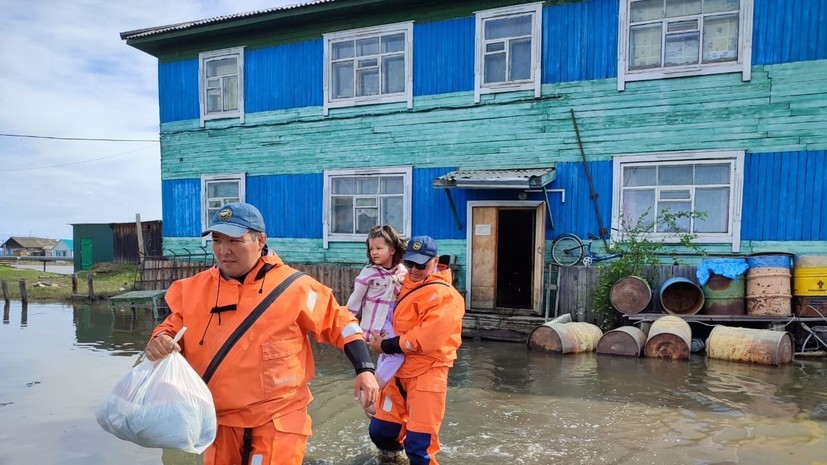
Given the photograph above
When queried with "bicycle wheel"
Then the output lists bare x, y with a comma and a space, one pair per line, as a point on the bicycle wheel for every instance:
567, 249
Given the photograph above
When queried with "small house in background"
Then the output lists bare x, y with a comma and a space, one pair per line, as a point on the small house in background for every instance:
113, 242
21, 246
63, 248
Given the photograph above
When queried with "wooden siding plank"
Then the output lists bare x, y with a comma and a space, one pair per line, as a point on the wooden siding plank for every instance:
179, 218
443, 57
178, 90
809, 206
818, 230
283, 77
788, 31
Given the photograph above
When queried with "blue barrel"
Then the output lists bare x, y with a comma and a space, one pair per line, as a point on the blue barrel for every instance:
681, 296
770, 260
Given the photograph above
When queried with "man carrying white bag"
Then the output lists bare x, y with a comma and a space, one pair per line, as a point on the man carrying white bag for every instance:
163, 404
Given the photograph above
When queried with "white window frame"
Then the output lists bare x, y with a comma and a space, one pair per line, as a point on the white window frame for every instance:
363, 33
405, 171
735, 158
535, 83
203, 58
743, 65
240, 178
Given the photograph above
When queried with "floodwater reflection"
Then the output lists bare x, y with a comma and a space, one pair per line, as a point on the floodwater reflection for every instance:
506, 405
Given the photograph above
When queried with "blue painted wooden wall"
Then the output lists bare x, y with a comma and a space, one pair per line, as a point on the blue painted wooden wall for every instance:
785, 197
178, 90
784, 31
579, 44
580, 41
443, 57
292, 203
285, 76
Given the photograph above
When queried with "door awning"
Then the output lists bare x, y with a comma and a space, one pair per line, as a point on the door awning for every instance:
518, 178
523, 178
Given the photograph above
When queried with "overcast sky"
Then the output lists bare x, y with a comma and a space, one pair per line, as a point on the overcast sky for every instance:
67, 74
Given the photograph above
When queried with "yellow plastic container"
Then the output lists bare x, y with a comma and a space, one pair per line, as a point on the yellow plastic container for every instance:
810, 282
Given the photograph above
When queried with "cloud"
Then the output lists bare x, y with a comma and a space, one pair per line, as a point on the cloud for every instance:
67, 73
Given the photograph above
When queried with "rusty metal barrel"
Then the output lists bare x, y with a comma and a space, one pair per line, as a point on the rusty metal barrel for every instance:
768, 289
750, 345
626, 340
724, 296
565, 338
681, 296
630, 295
669, 338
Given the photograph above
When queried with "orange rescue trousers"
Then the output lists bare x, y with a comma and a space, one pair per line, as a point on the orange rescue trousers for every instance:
269, 441
409, 411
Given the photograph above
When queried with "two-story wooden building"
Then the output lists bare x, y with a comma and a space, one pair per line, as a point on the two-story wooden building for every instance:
457, 119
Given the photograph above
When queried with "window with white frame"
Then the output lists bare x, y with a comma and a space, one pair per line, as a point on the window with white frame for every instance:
671, 38
367, 66
221, 84
217, 191
357, 200
508, 49
699, 182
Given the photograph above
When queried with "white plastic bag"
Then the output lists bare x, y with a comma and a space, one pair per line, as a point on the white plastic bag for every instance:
161, 404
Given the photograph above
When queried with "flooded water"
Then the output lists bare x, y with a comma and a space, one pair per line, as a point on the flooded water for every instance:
506, 405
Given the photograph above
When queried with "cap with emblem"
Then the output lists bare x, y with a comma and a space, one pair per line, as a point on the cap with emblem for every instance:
235, 220
420, 249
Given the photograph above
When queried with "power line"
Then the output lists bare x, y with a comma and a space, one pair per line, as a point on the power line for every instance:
87, 139
73, 163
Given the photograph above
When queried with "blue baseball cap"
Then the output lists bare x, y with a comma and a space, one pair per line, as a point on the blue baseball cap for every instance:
420, 249
235, 220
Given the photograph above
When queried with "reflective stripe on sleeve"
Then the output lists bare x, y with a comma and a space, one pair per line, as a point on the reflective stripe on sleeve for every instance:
350, 330
311, 300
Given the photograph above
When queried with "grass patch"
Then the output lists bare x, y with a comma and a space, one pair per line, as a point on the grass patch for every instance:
108, 279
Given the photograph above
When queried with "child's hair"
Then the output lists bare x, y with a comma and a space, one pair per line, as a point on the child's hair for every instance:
391, 237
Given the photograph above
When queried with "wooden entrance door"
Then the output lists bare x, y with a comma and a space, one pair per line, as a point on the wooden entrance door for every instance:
483, 257
490, 245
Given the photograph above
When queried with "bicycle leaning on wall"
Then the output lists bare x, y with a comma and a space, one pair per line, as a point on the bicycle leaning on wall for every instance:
568, 250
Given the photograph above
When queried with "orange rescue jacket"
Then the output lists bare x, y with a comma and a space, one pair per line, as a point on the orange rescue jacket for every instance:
429, 323
265, 375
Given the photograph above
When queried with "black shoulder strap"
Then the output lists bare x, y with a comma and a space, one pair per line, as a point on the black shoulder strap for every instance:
420, 287
245, 325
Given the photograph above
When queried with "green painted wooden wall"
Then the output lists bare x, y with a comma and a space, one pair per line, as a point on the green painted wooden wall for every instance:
783, 108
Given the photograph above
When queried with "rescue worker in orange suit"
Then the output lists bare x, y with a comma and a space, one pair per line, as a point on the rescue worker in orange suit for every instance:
428, 321
260, 386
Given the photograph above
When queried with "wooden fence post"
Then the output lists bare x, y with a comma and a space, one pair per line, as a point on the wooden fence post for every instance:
23, 295
6, 308
91, 286
74, 283
5, 287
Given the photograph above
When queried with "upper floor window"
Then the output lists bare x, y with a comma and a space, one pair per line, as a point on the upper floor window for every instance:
221, 84
366, 66
670, 38
708, 182
217, 191
357, 200
508, 49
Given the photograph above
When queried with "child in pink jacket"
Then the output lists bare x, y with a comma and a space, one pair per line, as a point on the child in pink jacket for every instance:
375, 291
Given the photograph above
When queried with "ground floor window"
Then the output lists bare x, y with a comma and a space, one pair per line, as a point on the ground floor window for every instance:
219, 190
708, 182
356, 200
